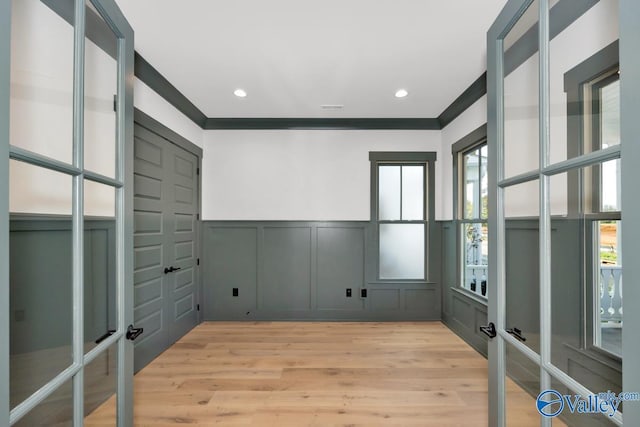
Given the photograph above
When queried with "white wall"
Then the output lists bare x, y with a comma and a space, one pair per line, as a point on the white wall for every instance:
298, 174
148, 101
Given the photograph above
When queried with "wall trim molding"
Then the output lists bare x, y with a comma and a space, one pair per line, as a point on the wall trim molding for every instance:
352, 123
156, 81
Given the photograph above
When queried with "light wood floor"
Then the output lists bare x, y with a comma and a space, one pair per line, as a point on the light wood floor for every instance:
318, 374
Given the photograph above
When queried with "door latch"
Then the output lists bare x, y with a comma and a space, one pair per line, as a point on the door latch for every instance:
489, 330
133, 333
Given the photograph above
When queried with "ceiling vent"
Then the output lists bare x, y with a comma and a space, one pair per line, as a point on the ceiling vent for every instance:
332, 106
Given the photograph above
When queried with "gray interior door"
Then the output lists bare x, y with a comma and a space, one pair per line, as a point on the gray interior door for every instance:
165, 211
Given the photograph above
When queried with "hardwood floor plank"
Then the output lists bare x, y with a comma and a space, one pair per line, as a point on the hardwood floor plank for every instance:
317, 374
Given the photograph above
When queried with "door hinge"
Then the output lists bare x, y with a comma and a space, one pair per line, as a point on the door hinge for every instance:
198, 307
198, 217
197, 171
198, 261
115, 103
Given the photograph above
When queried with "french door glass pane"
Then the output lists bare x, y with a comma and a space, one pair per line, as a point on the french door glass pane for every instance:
586, 291
522, 256
413, 179
100, 88
521, 72
40, 278
100, 386
99, 263
41, 80
56, 410
389, 193
584, 115
522, 386
402, 251
566, 417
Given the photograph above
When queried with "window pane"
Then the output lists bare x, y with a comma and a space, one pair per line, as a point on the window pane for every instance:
41, 80
475, 256
608, 294
471, 184
484, 183
610, 190
610, 114
100, 87
402, 251
413, 193
389, 192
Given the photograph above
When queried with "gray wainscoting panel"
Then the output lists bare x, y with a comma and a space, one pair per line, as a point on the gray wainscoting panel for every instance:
384, 299
340, 260
302, 270
231, 261
286, 268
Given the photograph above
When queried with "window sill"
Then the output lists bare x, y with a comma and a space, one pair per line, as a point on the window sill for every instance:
467, 293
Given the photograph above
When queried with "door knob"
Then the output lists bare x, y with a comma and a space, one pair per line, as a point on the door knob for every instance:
171, 269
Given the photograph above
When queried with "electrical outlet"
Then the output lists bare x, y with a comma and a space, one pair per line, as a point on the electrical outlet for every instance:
363, 293
348, 292
235, 292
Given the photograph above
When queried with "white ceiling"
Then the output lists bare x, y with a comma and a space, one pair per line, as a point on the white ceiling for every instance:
291, 56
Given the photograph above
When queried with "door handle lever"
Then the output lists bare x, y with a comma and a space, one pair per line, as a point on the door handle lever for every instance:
516, 333
105, 336
489, 330
133, 333
171, 269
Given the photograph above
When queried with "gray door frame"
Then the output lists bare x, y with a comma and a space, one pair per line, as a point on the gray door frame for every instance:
5, 79
123, 184
629, 12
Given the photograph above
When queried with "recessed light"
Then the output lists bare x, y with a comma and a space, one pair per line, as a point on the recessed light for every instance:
240, 93
401, 93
